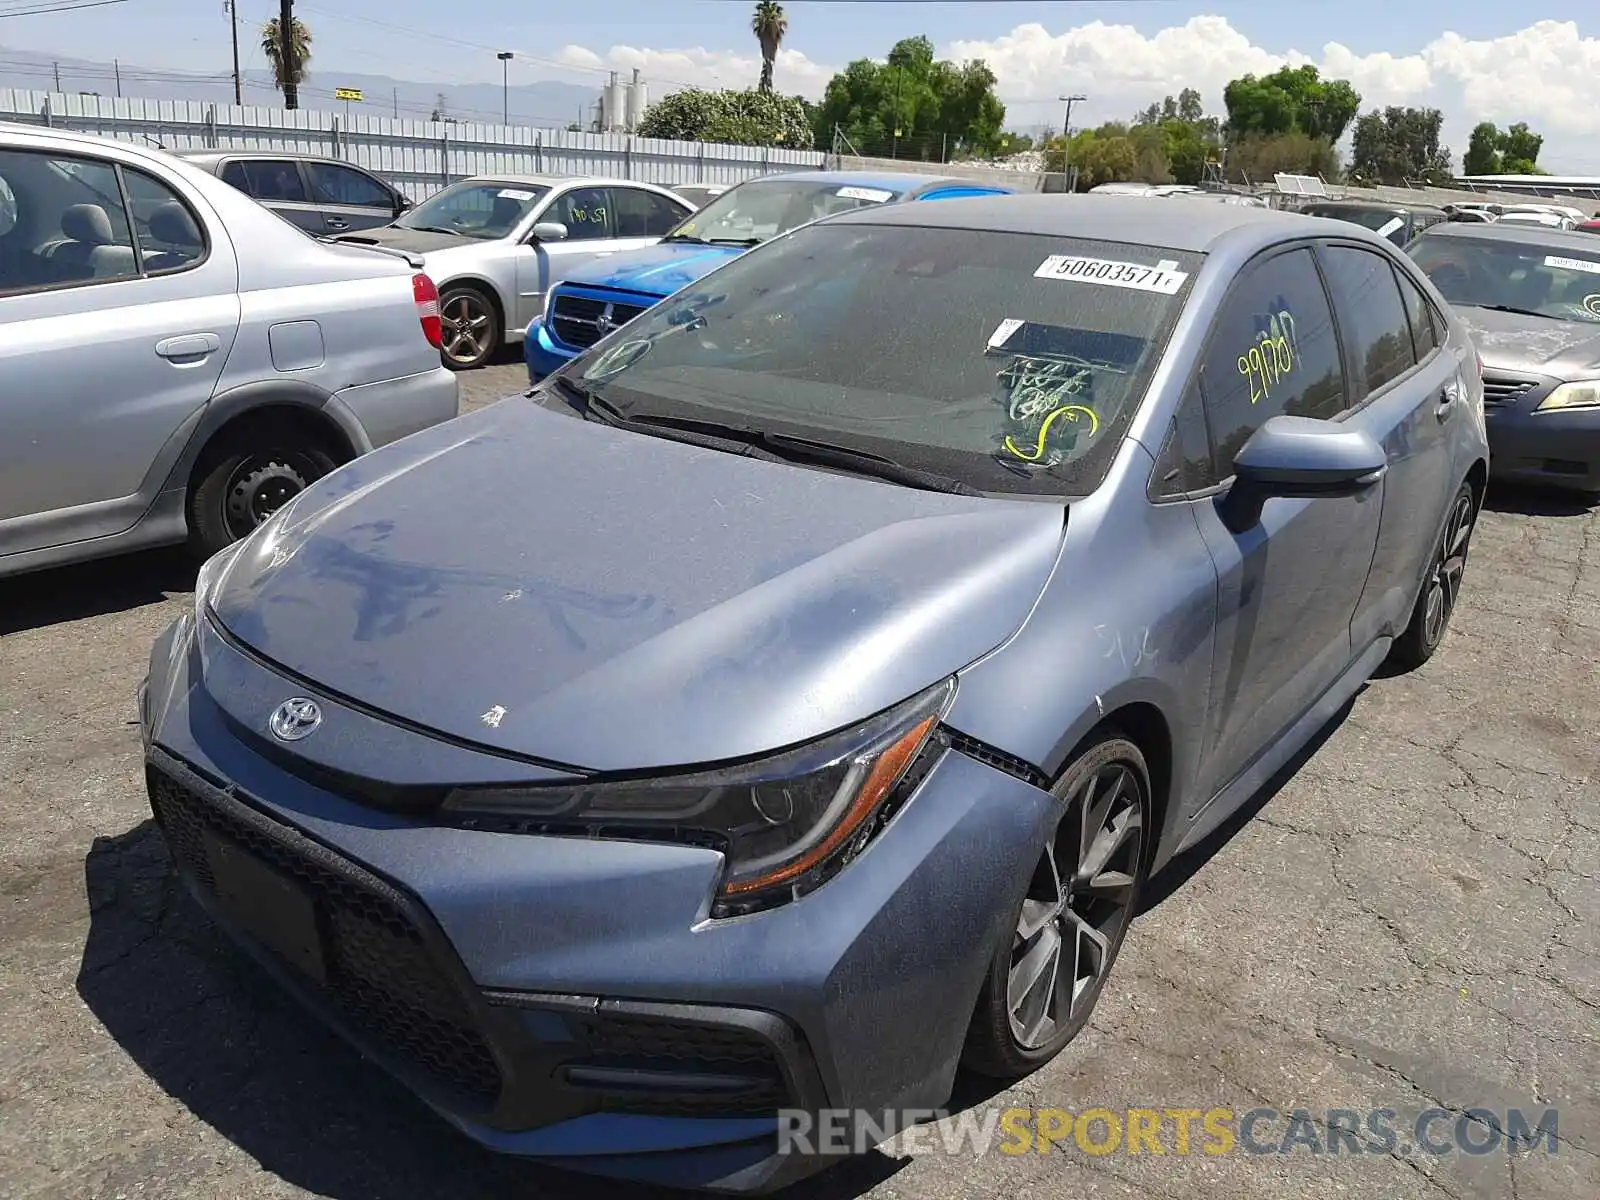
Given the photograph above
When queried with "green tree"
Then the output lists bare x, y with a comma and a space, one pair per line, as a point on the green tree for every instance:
1400, 144
1519, 150
921, 106
272, 48
1189, 139
1290, 100
1483, 151
747, 118
1255, 158
769, 25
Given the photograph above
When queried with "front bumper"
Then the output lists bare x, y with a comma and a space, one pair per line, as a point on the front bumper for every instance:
1554, 449
571, 1001
542, 352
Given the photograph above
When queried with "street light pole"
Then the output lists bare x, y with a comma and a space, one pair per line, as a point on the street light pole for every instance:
1066, 136
505, 57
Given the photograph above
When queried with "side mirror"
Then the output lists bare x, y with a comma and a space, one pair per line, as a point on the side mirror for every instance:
402, 204
548, 231
1300, 458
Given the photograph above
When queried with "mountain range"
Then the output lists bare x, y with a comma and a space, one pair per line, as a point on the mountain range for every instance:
547, 104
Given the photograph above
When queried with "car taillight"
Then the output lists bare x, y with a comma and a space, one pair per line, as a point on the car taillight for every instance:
426, 294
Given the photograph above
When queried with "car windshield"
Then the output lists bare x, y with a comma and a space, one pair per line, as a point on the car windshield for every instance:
476, 209
762, 209
1006, 362
1557, 281
1386, 220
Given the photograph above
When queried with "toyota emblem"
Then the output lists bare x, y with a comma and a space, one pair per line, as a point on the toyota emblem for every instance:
294, 719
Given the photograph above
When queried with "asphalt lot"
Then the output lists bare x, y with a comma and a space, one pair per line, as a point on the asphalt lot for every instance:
1405, 923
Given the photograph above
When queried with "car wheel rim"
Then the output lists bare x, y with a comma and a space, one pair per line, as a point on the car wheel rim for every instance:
466, 329
258, 488
1444, 585
1078, 905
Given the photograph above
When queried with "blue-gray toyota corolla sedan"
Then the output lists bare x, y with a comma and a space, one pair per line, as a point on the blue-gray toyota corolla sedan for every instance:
786, 703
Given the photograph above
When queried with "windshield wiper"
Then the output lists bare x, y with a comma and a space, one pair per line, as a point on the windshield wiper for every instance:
595, 408
686, 237
1521, 312
754, 241
432, 229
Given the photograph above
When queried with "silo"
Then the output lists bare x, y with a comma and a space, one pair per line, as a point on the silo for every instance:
616, 104
638, 101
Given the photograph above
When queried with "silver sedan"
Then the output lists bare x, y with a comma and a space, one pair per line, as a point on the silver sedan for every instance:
496, 244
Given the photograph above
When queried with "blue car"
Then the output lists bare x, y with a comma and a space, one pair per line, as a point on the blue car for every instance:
604, 295
790, 701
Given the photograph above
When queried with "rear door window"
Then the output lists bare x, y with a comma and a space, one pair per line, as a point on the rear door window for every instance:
267, 179
1425, 333
333, 184
1372, 315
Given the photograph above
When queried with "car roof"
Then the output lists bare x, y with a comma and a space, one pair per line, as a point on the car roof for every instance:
889, 181
1523, 232
206, 156
1388, 206
1177, 223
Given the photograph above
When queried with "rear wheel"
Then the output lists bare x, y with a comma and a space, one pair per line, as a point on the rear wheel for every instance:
1442, 588
246, 477
1044, 981
471, 328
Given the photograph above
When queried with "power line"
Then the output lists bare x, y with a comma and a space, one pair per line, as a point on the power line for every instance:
68, 6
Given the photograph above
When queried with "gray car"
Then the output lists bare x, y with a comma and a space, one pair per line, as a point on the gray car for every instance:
497, 244
321, 195
1530, 296
790, 699
175, 361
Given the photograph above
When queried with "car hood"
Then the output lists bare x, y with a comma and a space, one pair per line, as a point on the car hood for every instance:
417, 241
1513, 342
570, 592
657, 270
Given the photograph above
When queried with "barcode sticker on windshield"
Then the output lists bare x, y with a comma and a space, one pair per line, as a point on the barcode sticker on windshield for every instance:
1003, 331
1390, 226
515, 194
876, 195
1073, 268
1572, 264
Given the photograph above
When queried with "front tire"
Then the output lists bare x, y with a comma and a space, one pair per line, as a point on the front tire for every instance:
1045, 979
471, 328
1441, 589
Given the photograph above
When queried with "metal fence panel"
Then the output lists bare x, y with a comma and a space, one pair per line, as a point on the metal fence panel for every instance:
420, 157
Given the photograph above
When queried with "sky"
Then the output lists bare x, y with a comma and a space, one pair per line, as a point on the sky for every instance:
1473, 59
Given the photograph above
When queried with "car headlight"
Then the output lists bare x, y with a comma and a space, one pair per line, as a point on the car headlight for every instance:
784, 824
1572, 395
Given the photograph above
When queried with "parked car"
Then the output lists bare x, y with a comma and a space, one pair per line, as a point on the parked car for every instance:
320, 195
1530, 296
496, 245
1549, 220
175, 361
793, 697
603, 295
700, 194
1397, 222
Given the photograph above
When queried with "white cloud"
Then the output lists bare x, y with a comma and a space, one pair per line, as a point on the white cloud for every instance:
1546, 74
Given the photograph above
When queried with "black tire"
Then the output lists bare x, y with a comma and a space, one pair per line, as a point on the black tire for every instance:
471, 328
246, 476
1441, 587
1002, 1042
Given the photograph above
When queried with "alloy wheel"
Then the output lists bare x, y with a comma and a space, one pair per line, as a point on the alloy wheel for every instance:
467, 324
1078, 904
1444, 584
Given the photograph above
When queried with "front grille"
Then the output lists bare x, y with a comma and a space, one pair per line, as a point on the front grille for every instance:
581, 321
381, 973
1498, 390
682, 1050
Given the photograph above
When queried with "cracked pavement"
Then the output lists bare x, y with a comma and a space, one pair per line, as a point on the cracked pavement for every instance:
1402, 923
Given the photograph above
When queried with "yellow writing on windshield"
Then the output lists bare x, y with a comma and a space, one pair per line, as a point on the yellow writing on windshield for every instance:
1072, 412
1274, 354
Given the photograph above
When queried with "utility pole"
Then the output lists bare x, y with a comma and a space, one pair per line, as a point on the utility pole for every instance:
397, 104
238, 84
117, 67
291, 67
505, 57
57, 67
1066, 139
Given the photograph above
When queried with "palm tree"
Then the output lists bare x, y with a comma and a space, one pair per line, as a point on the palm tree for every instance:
272, 48
769, 25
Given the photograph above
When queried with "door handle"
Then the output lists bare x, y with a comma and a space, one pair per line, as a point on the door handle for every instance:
336, 223
1447, 402
191, 345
